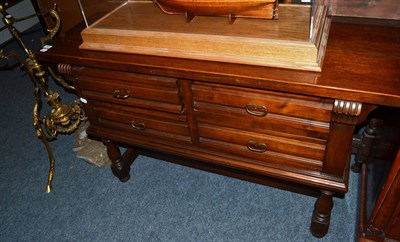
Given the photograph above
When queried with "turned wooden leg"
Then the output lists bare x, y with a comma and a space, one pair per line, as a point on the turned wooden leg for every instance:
366, 146
322, 214
120, 165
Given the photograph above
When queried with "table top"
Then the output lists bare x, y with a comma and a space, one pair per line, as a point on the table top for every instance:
362, 63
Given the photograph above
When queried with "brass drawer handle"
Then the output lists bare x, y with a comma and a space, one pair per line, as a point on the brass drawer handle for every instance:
138, 126
256, 110
121, 93
256, 146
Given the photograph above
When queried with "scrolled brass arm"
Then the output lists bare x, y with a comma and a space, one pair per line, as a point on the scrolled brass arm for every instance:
62, 118
60, 80
53, 31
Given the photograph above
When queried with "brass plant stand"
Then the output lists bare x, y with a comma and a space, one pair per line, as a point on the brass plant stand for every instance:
62, 118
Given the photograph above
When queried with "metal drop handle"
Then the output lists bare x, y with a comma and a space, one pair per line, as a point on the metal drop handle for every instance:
256, 146
256, 110
121, 93
138, 126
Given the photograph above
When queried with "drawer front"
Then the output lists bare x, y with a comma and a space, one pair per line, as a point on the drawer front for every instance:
263, 112
140, 123
132, 89
266, 149
300, 129
263, 127
260, 103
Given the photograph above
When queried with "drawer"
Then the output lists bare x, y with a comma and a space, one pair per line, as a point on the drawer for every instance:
262, 149
278, 125
260, 143
263, 112
268, 158
141, 123
132, 89
259, 102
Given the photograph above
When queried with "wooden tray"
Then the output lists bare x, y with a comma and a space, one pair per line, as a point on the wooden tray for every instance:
140, 27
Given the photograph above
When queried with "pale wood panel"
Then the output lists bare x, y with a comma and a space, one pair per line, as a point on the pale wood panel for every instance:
293, 23
141, 27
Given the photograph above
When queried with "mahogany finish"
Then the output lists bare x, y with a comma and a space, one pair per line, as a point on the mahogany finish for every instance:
382, 224
251, 122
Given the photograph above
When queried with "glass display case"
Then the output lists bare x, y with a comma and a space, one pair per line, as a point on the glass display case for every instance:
288, 34
371, 9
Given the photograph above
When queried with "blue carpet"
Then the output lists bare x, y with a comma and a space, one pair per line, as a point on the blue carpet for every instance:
161, 202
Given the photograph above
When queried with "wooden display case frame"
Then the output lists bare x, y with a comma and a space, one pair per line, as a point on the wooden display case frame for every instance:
140, 27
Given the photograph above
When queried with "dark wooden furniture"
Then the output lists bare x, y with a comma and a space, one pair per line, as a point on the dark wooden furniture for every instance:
377, 158
287, 128
380, 186
381, 223
68, 10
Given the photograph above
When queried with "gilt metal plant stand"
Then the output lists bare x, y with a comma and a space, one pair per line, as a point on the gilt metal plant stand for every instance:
62, 118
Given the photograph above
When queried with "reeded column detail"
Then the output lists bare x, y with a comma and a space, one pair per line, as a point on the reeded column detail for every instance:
346, 111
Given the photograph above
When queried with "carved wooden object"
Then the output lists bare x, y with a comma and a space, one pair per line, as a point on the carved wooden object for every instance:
267, 9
